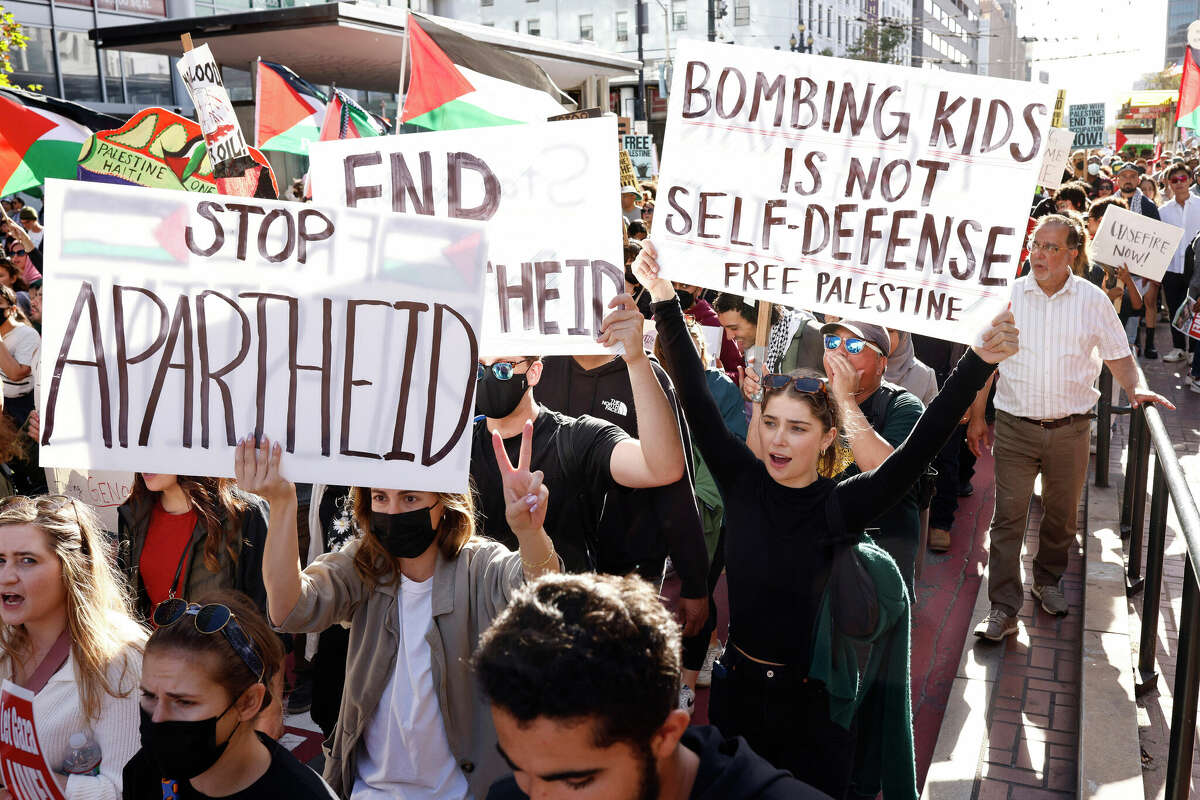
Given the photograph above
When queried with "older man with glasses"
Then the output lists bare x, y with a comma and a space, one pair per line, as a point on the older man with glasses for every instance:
1183, 211
1044, 400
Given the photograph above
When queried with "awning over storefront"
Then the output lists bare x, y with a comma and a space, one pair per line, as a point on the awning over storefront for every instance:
354, 46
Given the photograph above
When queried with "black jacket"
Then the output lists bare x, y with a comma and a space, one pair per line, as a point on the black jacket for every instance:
244, 575
729, 770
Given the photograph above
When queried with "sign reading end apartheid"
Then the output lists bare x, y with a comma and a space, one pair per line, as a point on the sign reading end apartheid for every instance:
545, 192
189, 322
863, 190
27, 776
1126, 238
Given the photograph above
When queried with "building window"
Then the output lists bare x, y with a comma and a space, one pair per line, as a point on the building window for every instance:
147, 79
679, 15
585, 27
533, 27
622, 26
34, 64
77, 60
741, 12
517, 26
486, 2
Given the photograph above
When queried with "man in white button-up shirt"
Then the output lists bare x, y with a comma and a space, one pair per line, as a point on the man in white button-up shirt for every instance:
1043, 403
1183, 211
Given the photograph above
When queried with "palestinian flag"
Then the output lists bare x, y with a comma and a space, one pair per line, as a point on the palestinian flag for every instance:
1187, 110
40, 137
288, 110
346, 119
457, 82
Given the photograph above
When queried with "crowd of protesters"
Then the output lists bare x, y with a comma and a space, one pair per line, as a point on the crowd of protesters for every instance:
511, 642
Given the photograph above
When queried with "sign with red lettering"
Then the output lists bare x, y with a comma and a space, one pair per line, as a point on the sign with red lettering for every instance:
869, 191
27, 776
103, 490
546, 192
188, 322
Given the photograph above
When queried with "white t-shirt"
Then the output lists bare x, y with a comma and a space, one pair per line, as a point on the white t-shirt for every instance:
23, 343
404, 754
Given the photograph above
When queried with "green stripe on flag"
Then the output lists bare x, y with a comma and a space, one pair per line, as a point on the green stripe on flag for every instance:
294, 140
1189, 120
45, 158
458, 114
116, 251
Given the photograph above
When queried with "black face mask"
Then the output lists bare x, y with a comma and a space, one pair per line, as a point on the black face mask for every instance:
183, 749
686, 299
404, 535
496, 399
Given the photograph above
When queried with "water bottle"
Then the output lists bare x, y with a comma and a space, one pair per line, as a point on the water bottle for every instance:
84, 756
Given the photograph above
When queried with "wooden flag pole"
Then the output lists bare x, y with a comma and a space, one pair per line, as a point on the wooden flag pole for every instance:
186, 38
762, 334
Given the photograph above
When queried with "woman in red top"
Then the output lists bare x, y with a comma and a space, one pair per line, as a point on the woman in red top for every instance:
186, 536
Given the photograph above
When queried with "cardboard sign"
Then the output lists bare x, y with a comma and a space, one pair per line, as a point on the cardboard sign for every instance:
1054, 161
1126, 237
1185, 320
848, 187
222, 132
27, 776
1060, 104
188, 322
103, 490
1087, 120
642, 154
629, 174
541, 189
157, 149
583, 113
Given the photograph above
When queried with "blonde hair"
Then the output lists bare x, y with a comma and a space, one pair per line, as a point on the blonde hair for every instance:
697, 334
99, 607
376, 566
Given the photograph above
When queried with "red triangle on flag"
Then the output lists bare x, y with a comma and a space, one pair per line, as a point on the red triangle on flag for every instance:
1120, 140
21, 127
331, 126
279, 107
1189, 87
435, 80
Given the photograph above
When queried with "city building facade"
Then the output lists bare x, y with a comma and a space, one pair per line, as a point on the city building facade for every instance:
946, 35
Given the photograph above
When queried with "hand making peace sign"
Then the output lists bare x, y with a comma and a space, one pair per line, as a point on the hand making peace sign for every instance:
525, 496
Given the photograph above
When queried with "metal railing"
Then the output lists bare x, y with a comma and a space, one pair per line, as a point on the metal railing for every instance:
1148, 433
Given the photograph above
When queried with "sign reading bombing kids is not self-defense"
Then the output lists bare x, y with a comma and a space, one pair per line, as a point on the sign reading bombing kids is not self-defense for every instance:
188, 322
863, 190
546, 193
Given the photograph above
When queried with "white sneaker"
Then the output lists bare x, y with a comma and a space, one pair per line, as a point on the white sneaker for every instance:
1194, 385
710, 658
1175, 355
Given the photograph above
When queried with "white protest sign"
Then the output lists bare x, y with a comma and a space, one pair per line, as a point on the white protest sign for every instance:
1087, 120
870, 191
547, 193
185, 322
1126, 237
27, 776
642, 153
214, 111
1058, 151
103, 490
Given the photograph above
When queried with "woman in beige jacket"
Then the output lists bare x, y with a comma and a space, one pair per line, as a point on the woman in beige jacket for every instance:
417, 590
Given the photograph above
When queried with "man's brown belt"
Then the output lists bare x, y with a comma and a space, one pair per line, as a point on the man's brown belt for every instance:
1051, 424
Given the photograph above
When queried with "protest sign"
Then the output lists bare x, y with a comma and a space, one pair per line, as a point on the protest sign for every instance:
1087, 120
156, 148
103, 490
545, 191
1187, 321
1060, 104
642, 154
222, 132
27, 776
864, 190
629, 174
1128, 238
188, 322
1058, 151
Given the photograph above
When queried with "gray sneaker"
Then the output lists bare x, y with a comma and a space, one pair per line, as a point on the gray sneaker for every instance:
996, 625
1053, 601
687, 699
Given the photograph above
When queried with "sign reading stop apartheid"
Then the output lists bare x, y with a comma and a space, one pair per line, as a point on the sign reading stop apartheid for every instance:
864, 190
222, 133
27, 776
548, 195
187, 322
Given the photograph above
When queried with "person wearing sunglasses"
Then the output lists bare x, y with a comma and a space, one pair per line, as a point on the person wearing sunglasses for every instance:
785, 523
20, 345
68, 636
581, 458
417, 588
204, 681
1183, 211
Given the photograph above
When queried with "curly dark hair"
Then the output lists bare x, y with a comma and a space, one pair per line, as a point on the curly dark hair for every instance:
1075, 193
749, 311
574, 646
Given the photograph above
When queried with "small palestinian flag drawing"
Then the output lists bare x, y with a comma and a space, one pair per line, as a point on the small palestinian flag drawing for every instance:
288, 110
40, 137
457, 82
346, 119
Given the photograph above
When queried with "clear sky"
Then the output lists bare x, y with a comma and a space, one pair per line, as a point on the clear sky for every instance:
1095, 49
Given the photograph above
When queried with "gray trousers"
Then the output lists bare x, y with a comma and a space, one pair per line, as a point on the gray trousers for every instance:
1022, 451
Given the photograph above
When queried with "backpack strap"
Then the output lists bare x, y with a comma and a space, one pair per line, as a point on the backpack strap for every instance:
51, 663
